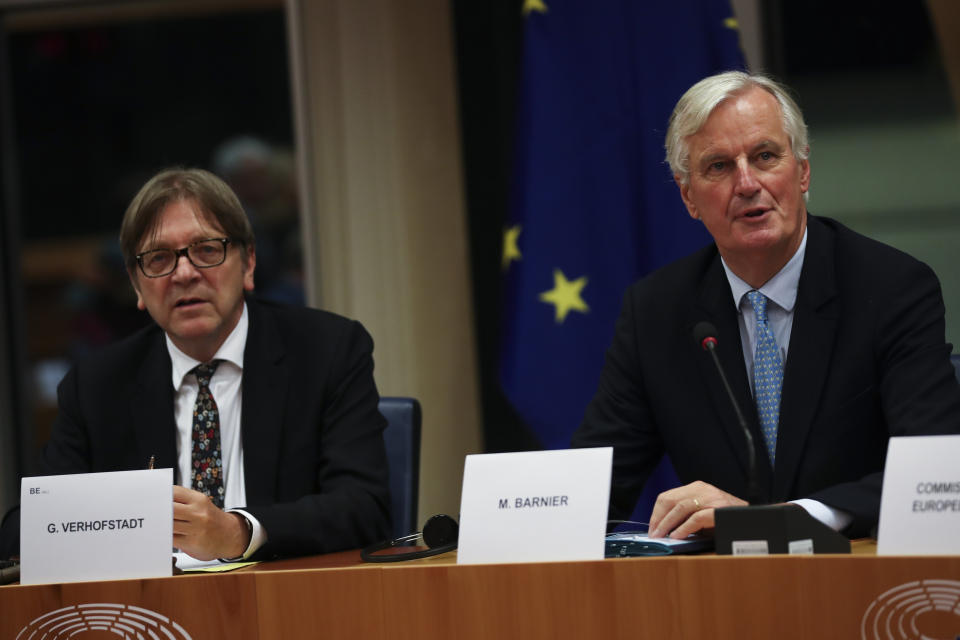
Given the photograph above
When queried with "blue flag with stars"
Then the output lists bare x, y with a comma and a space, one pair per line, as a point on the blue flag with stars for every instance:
593, 204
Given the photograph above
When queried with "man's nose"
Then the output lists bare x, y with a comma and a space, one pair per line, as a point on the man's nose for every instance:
184, 270
747, 183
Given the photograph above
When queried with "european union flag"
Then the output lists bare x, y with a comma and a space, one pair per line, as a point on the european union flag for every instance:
594, 206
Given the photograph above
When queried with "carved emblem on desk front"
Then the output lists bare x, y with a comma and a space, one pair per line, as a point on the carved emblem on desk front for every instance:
922, 609
126, 621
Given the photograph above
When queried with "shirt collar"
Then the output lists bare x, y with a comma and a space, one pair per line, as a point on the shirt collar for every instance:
781, 288
231, 351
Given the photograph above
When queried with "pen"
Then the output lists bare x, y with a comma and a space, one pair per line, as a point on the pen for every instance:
152, 460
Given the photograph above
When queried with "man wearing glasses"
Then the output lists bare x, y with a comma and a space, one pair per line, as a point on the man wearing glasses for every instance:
267, 413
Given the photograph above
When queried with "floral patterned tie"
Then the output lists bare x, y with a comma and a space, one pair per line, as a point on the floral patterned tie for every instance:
206, 459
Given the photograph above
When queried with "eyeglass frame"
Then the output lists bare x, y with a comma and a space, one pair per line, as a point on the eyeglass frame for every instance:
185, 252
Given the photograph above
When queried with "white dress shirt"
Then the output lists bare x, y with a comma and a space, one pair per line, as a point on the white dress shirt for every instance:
227, 390
781, 291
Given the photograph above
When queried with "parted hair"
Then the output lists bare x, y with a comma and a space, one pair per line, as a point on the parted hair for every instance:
215, 201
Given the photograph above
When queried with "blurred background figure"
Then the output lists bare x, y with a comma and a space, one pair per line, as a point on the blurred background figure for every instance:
99, 105
263, 178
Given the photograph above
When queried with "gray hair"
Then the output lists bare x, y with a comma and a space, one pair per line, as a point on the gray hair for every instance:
700, 100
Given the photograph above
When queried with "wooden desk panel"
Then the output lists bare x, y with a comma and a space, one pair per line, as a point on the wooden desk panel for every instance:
342, 603
746, 598
671, 597
552, 600
686, 597
206, 605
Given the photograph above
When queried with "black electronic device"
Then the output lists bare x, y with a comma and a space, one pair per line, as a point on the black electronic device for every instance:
775, 528
439, 533
631, 544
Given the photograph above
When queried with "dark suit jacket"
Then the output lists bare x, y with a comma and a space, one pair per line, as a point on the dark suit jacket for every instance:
314, 459
867, 360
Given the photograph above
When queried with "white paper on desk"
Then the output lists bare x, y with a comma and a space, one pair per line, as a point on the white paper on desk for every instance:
536, 506
96, 526
920, 504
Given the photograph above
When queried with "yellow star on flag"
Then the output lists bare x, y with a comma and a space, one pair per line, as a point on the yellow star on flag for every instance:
565, 295
529, 6
510, 250
731, 23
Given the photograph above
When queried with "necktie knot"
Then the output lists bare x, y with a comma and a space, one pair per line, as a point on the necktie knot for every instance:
205, 371
759, 303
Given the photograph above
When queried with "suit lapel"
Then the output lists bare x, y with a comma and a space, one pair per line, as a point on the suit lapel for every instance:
264, 385
811, 348
716, 305
151, 407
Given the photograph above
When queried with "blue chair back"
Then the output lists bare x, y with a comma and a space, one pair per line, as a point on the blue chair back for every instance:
402, 440
955, 359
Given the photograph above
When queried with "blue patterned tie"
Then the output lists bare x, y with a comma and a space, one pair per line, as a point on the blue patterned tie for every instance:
207, 476
767, 374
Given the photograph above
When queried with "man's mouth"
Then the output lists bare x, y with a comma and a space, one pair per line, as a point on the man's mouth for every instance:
188, 302
754, 213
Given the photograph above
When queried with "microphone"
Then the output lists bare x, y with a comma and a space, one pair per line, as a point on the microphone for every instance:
705, 334
739, 530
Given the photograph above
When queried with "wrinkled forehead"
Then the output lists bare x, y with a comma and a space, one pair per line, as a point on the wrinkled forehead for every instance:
749, 113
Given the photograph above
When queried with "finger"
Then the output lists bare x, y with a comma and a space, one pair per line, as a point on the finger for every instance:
678, 515
660, 509
182, 512
196, 513
700, 520
669, 499
182, 494
665, 503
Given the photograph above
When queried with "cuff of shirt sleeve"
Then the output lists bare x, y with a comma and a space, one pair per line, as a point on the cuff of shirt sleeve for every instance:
258, 536
834, 518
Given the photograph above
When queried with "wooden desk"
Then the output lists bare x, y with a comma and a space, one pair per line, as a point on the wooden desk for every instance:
335, 596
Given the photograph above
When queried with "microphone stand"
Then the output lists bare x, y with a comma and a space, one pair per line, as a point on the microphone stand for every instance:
709, 344
782, 528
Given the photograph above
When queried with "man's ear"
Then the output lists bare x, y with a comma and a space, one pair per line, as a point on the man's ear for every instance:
249, 265
132, 274
805, 174
685, 196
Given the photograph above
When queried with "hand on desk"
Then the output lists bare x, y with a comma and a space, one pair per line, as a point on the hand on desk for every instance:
688, 509
203, 531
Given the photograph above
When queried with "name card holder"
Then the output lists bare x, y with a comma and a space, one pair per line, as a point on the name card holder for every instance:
920, 504
536, 506
96, 526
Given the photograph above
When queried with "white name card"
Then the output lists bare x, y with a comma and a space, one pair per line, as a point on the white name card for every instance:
920, 505
537, 506
96, 526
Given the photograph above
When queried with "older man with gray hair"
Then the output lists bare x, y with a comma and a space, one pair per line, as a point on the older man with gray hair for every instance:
832, 342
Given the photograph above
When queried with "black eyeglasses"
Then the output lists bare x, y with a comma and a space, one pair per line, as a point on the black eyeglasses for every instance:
202, 254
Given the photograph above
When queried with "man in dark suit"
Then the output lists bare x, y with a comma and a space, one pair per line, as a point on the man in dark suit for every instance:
832, 342
287, 456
